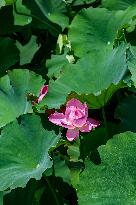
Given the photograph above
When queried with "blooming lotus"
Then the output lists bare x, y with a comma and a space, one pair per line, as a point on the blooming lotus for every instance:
75, 119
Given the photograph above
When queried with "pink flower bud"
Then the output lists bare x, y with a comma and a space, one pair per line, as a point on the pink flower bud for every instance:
43, 92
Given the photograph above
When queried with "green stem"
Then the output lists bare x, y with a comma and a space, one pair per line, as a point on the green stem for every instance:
52, 190
105, 122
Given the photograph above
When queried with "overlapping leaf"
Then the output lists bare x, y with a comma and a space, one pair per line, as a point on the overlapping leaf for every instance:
81, 2
48, 14
21, 14
100, 100
98, 28
14, 89
56, 65
117, 4
89, 75
24, 151
61, 169
54, 10
114, 180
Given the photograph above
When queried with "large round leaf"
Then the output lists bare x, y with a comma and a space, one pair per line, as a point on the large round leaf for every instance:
54, 10
98, 28
24, 150
49, 14
14, 88
89, 75
113, 182
117, 4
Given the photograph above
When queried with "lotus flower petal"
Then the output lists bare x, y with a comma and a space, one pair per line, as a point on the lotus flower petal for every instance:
89, 125
76, 112
72, 134
59, 119
43, 92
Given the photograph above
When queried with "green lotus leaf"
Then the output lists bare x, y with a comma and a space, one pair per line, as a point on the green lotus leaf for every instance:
74, 151
2, 3
21, 14
14, 89
49, 14
27, 51
81, 2
96, 102
61, 169
98, 28
89, 75
132, 64
54, 10
114, 180
56, 65
117, 4
24, 151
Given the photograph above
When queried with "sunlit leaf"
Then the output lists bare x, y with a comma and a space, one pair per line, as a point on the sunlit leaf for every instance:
98, 28
89, 75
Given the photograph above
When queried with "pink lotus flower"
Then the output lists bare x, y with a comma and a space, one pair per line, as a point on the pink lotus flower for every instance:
75, 119
43, 92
